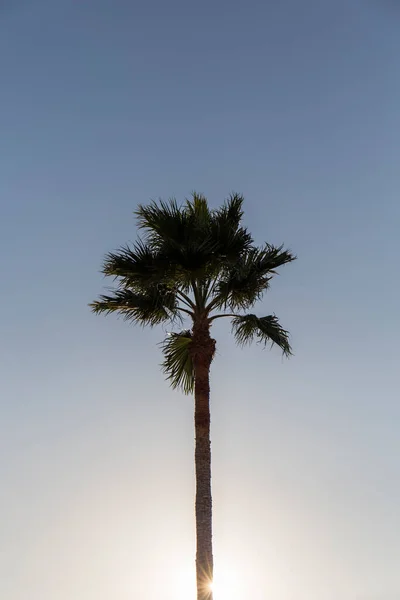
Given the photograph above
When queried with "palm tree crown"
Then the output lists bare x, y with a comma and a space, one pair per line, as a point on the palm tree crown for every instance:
198, 263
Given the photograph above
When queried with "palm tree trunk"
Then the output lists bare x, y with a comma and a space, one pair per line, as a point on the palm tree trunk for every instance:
203, 347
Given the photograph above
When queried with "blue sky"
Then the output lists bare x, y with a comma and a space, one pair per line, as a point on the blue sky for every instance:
108, 104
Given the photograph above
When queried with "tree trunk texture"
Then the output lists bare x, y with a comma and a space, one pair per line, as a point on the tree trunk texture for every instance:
203, 352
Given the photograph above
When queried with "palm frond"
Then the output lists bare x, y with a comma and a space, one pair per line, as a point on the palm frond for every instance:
157, 305
230, 238
138, 266
269, 258
266, 330
162, 222
179, 236
243, 283
198, 211
231, 211
177, 364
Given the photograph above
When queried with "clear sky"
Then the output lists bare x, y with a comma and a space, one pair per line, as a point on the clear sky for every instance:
108, 104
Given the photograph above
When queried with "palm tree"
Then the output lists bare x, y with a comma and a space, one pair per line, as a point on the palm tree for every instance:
198, 264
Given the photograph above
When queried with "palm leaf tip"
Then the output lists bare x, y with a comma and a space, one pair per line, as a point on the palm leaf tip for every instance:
247, 328
233, 208
178, 364
197, 206
272, 257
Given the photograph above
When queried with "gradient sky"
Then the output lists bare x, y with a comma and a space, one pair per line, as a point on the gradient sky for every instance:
108, 104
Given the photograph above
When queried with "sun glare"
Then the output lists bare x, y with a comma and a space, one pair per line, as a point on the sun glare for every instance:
226, 585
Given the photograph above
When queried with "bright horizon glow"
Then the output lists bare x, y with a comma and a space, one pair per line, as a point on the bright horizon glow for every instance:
227, 584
